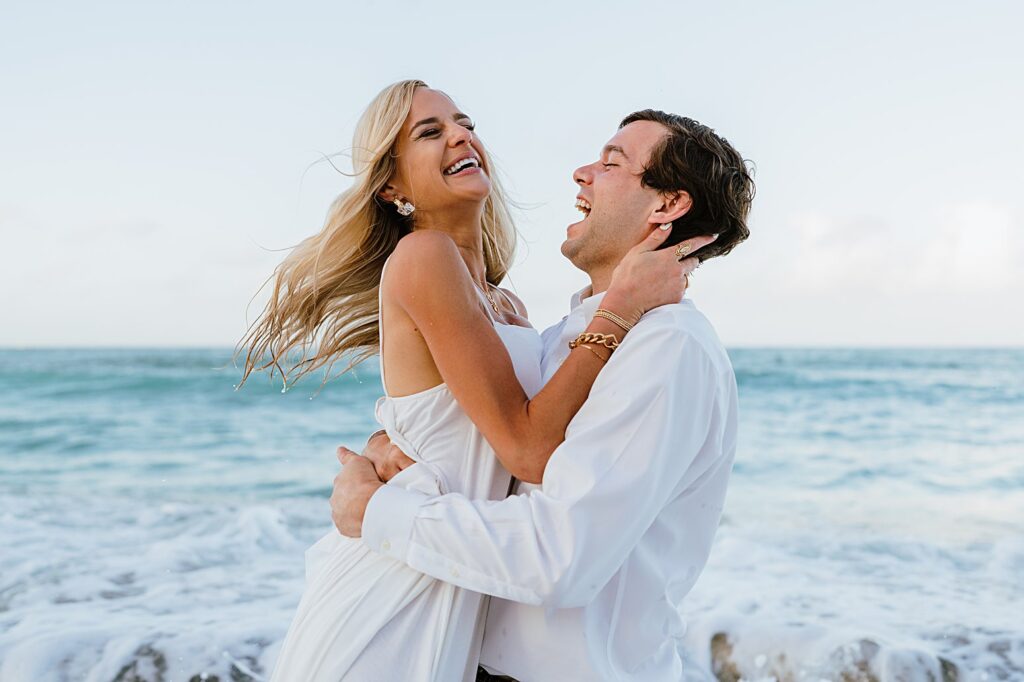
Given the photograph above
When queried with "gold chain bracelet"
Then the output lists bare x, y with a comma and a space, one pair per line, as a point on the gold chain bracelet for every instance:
609, 341
596, 354
613, 318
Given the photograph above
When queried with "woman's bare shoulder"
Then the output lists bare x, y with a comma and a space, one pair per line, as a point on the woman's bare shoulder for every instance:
421, 244
424, 257
425, 264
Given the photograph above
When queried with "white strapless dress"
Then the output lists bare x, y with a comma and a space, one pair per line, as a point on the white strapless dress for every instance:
368, 618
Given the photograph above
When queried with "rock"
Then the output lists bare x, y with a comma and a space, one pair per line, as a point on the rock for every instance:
859, 660
910, 665
950, 671
853, 662
149, 665
238, 675
722, 664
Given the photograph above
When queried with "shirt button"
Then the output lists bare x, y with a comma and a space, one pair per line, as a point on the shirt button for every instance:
455, 572
385, 546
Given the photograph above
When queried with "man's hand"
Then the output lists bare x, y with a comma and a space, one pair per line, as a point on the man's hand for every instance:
353, 488
386, 457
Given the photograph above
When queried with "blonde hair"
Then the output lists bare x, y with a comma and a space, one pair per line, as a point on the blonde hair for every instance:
325, 291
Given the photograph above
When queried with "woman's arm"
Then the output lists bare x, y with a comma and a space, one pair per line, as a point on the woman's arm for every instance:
429, 280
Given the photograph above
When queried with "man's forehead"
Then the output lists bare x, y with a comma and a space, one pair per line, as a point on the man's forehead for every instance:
636, 140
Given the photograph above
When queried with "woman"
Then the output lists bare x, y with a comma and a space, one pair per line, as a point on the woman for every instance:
408, 264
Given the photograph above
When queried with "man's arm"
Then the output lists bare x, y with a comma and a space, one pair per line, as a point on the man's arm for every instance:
638, 441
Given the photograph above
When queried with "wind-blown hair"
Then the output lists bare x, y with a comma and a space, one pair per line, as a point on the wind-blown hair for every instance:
324, 302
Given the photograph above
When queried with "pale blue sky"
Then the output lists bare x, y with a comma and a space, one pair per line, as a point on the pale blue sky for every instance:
152, 152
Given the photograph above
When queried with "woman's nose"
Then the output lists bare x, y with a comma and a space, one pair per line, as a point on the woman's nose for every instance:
463, 135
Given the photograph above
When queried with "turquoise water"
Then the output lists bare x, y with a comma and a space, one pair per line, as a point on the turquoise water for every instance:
153, 517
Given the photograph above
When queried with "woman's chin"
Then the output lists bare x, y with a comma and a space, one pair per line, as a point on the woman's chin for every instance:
478, 191
467, 179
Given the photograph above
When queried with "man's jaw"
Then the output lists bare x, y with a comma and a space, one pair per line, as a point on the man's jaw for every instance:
576, 230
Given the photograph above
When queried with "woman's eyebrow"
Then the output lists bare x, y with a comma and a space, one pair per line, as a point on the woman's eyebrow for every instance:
432, 119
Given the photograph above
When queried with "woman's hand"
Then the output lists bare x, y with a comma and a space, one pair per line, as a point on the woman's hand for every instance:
647, 278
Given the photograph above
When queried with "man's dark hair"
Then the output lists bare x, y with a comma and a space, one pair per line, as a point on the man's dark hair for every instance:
694, 159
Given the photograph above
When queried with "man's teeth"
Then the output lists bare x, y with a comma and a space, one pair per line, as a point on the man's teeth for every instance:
583, 206
459, 165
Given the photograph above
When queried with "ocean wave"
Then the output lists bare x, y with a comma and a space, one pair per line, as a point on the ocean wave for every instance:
153, 520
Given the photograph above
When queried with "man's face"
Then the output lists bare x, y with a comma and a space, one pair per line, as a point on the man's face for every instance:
616, 207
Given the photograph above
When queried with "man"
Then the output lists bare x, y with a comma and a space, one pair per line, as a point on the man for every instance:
589, 567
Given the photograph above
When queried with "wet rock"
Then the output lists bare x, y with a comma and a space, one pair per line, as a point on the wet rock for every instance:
204, 677
149, 665
238, 675
854, 662
950, 671
910, 665
863, 660
722, 665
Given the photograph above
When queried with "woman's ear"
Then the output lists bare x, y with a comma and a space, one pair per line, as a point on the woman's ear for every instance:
675, 205
388, 194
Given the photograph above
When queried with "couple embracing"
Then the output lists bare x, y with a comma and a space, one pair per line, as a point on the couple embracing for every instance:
550, 498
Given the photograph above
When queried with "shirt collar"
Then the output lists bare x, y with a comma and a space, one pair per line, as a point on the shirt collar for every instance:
585, 302
588, 304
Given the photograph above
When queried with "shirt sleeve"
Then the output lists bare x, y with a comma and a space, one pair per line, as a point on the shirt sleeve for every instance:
642, 436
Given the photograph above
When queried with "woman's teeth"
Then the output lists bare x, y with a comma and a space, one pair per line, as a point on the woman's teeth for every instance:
459, 165
583, 206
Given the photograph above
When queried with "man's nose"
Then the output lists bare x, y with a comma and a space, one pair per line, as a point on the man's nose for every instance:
582, 175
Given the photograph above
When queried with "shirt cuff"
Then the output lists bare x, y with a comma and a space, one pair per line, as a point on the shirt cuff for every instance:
388, 520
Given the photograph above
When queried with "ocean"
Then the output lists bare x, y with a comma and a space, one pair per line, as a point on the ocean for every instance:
153, 519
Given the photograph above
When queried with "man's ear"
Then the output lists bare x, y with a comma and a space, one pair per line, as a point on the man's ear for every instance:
675, 205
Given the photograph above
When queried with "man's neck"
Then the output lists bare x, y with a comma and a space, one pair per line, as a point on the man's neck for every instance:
600, 280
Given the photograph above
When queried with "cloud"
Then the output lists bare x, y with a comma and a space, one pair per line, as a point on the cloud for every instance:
976, 247
972, 247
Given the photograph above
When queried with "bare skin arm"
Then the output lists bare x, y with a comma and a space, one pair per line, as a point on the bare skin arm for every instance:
387, 458
430, 283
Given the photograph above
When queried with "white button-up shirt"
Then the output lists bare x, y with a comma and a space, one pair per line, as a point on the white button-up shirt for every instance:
592, 565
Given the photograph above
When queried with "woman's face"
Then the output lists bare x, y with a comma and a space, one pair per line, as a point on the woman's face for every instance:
439, 165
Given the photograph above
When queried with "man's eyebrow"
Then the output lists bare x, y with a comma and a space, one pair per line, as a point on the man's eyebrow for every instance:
608, 149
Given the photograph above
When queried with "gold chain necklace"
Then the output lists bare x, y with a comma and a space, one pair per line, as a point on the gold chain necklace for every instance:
490, 298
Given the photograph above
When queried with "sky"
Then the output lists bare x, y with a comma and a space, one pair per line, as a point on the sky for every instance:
157, 160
